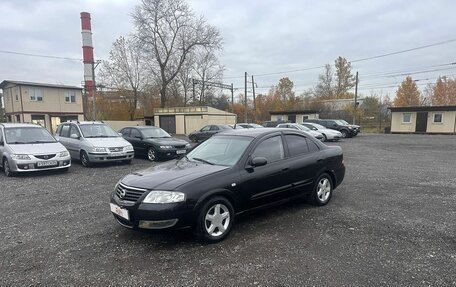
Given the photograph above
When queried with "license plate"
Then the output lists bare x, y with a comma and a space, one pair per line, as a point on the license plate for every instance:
46, 163
122, 212
181, 151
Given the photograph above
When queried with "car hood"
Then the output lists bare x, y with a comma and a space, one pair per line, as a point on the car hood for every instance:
108, 142
329, 131
315, 133
38, 148
170, 175
167, 141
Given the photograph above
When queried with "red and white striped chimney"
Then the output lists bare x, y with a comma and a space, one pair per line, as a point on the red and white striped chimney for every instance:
87, 50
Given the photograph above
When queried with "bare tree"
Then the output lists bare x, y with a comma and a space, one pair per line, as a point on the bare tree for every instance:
325, 87
169, 31
125, 70
207, 69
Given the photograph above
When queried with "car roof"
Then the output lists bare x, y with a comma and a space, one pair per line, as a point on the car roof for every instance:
141, 127
20, 125
251, 132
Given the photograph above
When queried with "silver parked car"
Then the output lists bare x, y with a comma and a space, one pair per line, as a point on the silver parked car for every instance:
328, 134
94, 142
301, 128
29, 147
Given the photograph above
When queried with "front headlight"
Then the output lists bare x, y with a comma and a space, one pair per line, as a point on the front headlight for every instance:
188, 145
166, 146
161, 196
20, 157
128, 148
64, 154
350, 128
99, 149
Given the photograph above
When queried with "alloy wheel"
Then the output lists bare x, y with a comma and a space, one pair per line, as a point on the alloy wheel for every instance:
6, 168
151, 154
217, 220
323, 189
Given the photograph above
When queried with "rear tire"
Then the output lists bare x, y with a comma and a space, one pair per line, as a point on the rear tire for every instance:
215, 220
322, 191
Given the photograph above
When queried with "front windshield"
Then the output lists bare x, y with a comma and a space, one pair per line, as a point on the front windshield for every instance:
318, 126
303, 128
154, 133
220, 150
342, 122
28, 135
98, 131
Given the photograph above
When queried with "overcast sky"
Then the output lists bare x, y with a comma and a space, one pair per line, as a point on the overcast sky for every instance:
260, 37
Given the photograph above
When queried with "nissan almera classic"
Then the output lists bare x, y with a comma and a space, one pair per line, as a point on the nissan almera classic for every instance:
230, 173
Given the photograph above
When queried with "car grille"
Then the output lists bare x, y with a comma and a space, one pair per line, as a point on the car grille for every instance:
127, 193
115, 149
179, 146
45, 156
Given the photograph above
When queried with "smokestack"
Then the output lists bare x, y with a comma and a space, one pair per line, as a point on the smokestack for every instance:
87, 50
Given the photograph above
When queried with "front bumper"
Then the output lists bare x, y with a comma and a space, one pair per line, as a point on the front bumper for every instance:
110, 156
151, 216
39, 164
172, 153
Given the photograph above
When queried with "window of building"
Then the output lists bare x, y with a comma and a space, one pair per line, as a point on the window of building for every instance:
305, 118
438, 118
18, 118
38, 119
271, 149
9, 119
16, 91
36, 95
407, 118
70, 97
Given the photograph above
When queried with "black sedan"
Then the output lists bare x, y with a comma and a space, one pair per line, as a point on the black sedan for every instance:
206, 132
230, 173
154, 143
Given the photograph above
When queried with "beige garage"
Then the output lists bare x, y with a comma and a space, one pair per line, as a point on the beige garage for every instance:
184, 120
431, 120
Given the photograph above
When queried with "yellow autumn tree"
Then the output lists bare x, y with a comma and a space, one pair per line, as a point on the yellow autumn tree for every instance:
407, 94
444, 92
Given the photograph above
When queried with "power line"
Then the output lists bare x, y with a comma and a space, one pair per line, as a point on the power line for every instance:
39, 55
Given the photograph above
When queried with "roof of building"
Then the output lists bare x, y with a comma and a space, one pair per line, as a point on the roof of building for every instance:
294, 112
423, 109
23, 83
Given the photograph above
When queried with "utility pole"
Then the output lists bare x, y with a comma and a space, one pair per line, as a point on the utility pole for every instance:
254, 102
356, 98
193, 90
245, 98
232, 98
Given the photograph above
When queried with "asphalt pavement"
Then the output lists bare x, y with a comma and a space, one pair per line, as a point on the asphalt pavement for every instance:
392, 222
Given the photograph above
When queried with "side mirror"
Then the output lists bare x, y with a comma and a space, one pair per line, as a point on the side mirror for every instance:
120, 134
74, 136
258, 161
138, 137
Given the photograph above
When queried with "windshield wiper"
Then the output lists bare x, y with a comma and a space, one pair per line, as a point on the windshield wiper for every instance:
42, 142
16, 142
202, 160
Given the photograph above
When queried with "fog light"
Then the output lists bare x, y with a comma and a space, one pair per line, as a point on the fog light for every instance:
25, 167
31, 166
159, 224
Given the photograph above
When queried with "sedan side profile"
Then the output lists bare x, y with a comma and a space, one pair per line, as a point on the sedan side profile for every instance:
230, 173
206, 132
154, 142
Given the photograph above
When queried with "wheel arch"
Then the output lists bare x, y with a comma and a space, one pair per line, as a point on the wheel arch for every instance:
216, 192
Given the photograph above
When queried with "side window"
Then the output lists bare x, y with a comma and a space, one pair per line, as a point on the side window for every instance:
1, 135
271, 149
59, 128
297, 145
135, 133
125, 132
65, 132
74, 130
313, 147
214, 128
206, 128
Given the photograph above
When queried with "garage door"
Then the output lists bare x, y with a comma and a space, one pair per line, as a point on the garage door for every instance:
168, 123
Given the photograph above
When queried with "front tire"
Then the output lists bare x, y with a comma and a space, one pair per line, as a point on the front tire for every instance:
85, 161
324, 138
215, 220
322, 191
151, 154
7, 168
344, 133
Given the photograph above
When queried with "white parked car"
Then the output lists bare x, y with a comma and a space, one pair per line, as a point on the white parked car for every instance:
328, 134
30, 147
302, 128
